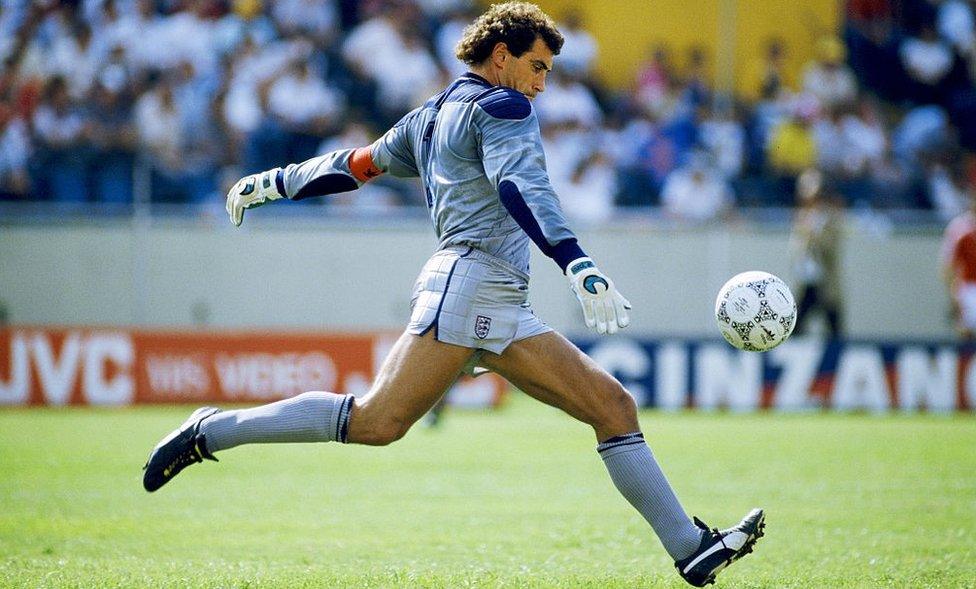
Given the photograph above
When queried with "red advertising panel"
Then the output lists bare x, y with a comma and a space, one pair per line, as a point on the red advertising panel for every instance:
96, 366
247, 367
81, 366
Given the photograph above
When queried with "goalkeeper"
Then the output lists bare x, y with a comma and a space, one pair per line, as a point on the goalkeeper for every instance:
477, 149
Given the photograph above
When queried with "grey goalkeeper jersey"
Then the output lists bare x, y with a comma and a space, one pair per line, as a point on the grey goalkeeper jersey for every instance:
478, 152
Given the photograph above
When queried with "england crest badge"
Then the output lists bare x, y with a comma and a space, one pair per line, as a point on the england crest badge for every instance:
481, 326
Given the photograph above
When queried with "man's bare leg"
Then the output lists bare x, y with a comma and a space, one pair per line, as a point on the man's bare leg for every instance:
551, 369
413, 377
415, 374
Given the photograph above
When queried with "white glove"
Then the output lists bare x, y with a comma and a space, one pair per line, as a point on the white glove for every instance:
604, 308
250, 192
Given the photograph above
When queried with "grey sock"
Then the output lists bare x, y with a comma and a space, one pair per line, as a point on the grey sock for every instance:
640, 480
309, 417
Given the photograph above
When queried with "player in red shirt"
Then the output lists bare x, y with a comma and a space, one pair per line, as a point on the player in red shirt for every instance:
958, 260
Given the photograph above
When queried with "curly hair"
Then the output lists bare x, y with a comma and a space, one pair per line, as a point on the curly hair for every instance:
517, 24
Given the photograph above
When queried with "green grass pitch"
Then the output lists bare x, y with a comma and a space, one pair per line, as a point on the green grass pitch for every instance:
512, 498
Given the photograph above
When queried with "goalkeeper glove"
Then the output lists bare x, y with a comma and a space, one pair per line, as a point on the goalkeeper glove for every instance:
250, 192
604, 308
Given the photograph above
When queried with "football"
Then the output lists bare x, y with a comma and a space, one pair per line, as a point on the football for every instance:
755, 311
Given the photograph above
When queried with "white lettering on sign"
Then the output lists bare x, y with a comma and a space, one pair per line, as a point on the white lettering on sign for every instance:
99, 350
727, 377
58, 369
860, 381
922, 381
57, 375
628, 361
17, 390
799, 360
671, 380
180, 376
274, 376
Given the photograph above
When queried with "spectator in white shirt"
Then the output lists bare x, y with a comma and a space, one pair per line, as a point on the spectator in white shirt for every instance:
159, 126
567, 100
61, 133
957, 25
827, 78
446, 40
832, 149
579, 49
865, 137
725, 138
302, 101
696, 194
580, 171
926, 58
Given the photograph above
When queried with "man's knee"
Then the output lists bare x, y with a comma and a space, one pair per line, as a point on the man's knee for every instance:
617, 409
380, 432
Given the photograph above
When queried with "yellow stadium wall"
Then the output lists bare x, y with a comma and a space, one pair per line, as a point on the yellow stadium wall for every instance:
627, 29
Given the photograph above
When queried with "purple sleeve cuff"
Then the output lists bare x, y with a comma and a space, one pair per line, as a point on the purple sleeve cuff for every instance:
565, 252
280, 182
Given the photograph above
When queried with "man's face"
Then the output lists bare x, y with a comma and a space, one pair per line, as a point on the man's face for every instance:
527, 73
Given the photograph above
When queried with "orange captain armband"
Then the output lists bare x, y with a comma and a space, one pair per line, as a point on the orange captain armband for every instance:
361, 164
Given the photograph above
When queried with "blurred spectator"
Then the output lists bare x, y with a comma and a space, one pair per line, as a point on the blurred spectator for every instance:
774, 77
318, 19
957, 260
725, 139
656, 156
696, 193
73, 57
414, 76
180, 158
792, 149
14, 151
440, 10
61, 134
922, 129
827, 78
447, 39
948, 192
864, 137
815, 251
831, 146
580, 171
114, 141
957, 25
579, 49
656, 80
696, 89
567, 101
387, 50
625, 139
11, 19
303, 110
927, 60
893, 185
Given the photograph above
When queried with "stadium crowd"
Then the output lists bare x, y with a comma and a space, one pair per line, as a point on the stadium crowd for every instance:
198, 92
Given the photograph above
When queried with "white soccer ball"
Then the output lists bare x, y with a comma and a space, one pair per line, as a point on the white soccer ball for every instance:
755, 311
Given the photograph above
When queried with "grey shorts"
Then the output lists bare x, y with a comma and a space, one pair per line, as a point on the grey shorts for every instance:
472, 299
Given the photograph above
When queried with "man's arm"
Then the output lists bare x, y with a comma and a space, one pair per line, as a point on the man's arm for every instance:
338, 171
514, 161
